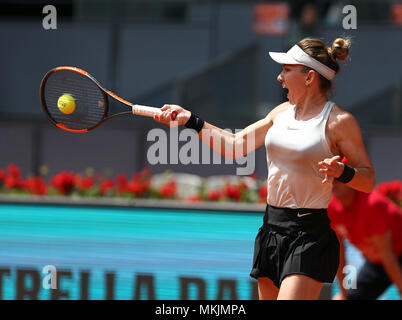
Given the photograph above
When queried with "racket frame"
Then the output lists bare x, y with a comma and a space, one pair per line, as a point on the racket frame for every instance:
135, 109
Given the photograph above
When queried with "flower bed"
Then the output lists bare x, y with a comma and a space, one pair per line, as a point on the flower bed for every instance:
140, 185
144, 185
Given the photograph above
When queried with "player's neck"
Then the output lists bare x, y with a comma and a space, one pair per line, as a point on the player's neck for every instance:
312, 104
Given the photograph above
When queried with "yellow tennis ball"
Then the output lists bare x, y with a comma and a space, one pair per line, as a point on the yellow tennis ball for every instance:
66, 104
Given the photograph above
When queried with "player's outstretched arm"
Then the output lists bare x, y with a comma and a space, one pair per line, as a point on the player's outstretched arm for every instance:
231, 145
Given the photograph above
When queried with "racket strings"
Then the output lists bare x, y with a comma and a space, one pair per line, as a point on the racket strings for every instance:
90, 104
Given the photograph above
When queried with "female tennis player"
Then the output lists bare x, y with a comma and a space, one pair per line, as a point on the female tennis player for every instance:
296, 251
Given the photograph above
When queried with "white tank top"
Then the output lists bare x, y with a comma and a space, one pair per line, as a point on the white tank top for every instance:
294, 149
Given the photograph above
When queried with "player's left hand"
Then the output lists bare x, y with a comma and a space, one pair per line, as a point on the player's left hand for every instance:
331, 167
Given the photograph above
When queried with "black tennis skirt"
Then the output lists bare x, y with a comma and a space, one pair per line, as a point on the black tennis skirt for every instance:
295, 241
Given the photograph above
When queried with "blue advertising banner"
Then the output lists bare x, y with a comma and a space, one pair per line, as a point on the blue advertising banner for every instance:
94, 252
125, 253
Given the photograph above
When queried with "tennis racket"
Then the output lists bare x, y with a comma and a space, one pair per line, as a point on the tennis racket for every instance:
74, 101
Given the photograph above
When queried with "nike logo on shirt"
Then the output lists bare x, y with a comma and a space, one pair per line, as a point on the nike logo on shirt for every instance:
303, 214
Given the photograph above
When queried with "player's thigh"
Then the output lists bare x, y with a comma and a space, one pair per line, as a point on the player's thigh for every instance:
299, 287
266, 289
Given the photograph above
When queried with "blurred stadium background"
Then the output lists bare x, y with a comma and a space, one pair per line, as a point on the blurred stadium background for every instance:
208, 56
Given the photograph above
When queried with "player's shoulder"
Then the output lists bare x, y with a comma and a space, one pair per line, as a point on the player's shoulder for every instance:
278, 109
341, 117
342, 122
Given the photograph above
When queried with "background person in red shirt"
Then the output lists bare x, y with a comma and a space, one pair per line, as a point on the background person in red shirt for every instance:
373, 224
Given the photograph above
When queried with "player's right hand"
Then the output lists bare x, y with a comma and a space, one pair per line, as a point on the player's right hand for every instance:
173, 115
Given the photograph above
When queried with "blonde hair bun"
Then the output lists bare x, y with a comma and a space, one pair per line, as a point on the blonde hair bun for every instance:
340, 49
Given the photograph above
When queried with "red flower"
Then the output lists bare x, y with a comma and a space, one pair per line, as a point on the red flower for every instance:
213, 195
12, 182
121, 183
64, 182
36, 185
139, 184
14, 171
168, 190
2, 174
232, 192
137, 187
84, 183
12, 178
105, 186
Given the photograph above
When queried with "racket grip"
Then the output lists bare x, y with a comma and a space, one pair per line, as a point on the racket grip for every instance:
148, 111
145, 110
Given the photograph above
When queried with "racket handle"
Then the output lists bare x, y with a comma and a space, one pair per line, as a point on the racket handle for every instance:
148, 111
145, 110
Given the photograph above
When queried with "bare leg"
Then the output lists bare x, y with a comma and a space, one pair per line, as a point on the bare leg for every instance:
266, 289
299, 287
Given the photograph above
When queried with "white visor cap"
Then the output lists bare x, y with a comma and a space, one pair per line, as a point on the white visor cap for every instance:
296, 55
